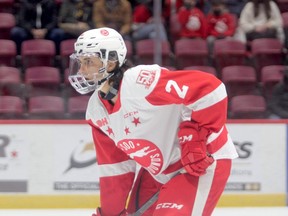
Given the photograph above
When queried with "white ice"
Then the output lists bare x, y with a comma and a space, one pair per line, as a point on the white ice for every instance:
253, 211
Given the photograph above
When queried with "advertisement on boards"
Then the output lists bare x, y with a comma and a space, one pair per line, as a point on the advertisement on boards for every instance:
47, 159
75, 168
60, 159
261, 166
14, 162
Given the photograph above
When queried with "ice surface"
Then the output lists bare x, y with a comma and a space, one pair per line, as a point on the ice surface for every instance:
267, 211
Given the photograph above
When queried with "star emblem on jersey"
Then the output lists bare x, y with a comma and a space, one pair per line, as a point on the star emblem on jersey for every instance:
127, 131
136, 121
110, 131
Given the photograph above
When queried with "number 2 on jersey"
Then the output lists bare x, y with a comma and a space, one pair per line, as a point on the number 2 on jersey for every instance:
181, 92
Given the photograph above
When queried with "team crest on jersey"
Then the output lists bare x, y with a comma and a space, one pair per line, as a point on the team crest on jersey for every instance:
146, 78
144, 152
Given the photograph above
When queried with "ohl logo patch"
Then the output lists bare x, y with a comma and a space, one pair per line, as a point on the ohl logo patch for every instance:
143, 152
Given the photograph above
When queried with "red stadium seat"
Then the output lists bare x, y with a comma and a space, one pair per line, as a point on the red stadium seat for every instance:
69, 91
10, 81
7, 6
228, 52
191, 52
11, 107
42, 80
208, 69
266, 51
174, 28
66, 49
46, 107
283, 5
8, 52
38, 52
285, 27
285, 18
129, 47
239, 80
76, 106
8, 21
248, 107
145, 52
270, 76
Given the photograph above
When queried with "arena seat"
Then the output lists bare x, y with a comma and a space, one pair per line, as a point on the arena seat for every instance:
145, 52
266, 51
208, 69
11, 82
8, 52
11, 107
7, 6
46, 107
37, 52
76, 106
239, 80
8, 21
191, 52
42, 80
270, 76
228, 52
66, 49
248, 107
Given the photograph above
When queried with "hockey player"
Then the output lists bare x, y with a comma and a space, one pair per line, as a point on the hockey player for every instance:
170, 123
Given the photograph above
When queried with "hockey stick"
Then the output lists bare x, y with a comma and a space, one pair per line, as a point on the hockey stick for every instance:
147, 205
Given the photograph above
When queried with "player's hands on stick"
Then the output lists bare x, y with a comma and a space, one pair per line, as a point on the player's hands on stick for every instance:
194, 156
98, 213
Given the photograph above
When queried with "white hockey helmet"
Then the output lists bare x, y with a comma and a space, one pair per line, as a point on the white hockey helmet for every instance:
105, 43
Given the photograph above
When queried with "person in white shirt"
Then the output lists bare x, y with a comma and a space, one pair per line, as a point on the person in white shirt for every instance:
260, 19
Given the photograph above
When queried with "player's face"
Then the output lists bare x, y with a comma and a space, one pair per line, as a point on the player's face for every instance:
89, 67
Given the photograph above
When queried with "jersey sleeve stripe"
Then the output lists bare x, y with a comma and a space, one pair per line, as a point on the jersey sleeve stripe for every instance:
108, 170
210, 99
218, 142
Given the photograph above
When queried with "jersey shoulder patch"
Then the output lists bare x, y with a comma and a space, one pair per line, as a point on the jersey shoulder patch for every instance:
141, 79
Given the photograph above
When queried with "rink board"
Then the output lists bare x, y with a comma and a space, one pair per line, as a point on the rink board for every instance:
52, 164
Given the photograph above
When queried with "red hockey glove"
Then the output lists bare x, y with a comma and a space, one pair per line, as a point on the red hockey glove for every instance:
194, 156
98, 213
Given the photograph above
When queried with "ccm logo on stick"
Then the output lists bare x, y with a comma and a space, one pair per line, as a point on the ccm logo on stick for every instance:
169, 205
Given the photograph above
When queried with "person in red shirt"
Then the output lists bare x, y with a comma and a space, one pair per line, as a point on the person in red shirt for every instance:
220, 22
144, 26
192, 20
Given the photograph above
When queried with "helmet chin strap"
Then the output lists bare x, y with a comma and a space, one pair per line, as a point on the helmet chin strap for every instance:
113, 90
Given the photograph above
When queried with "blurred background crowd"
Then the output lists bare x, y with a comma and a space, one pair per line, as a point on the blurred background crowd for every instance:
242, 42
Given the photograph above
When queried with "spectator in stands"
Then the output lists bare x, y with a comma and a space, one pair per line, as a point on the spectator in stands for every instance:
220, 23
204, 6
116, 14
75, 17
37, 19
278, 103
260, 19
171, 7
144, 26
192, 20
235, 6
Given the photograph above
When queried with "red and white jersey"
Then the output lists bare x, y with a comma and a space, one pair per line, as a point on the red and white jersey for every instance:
142, 126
